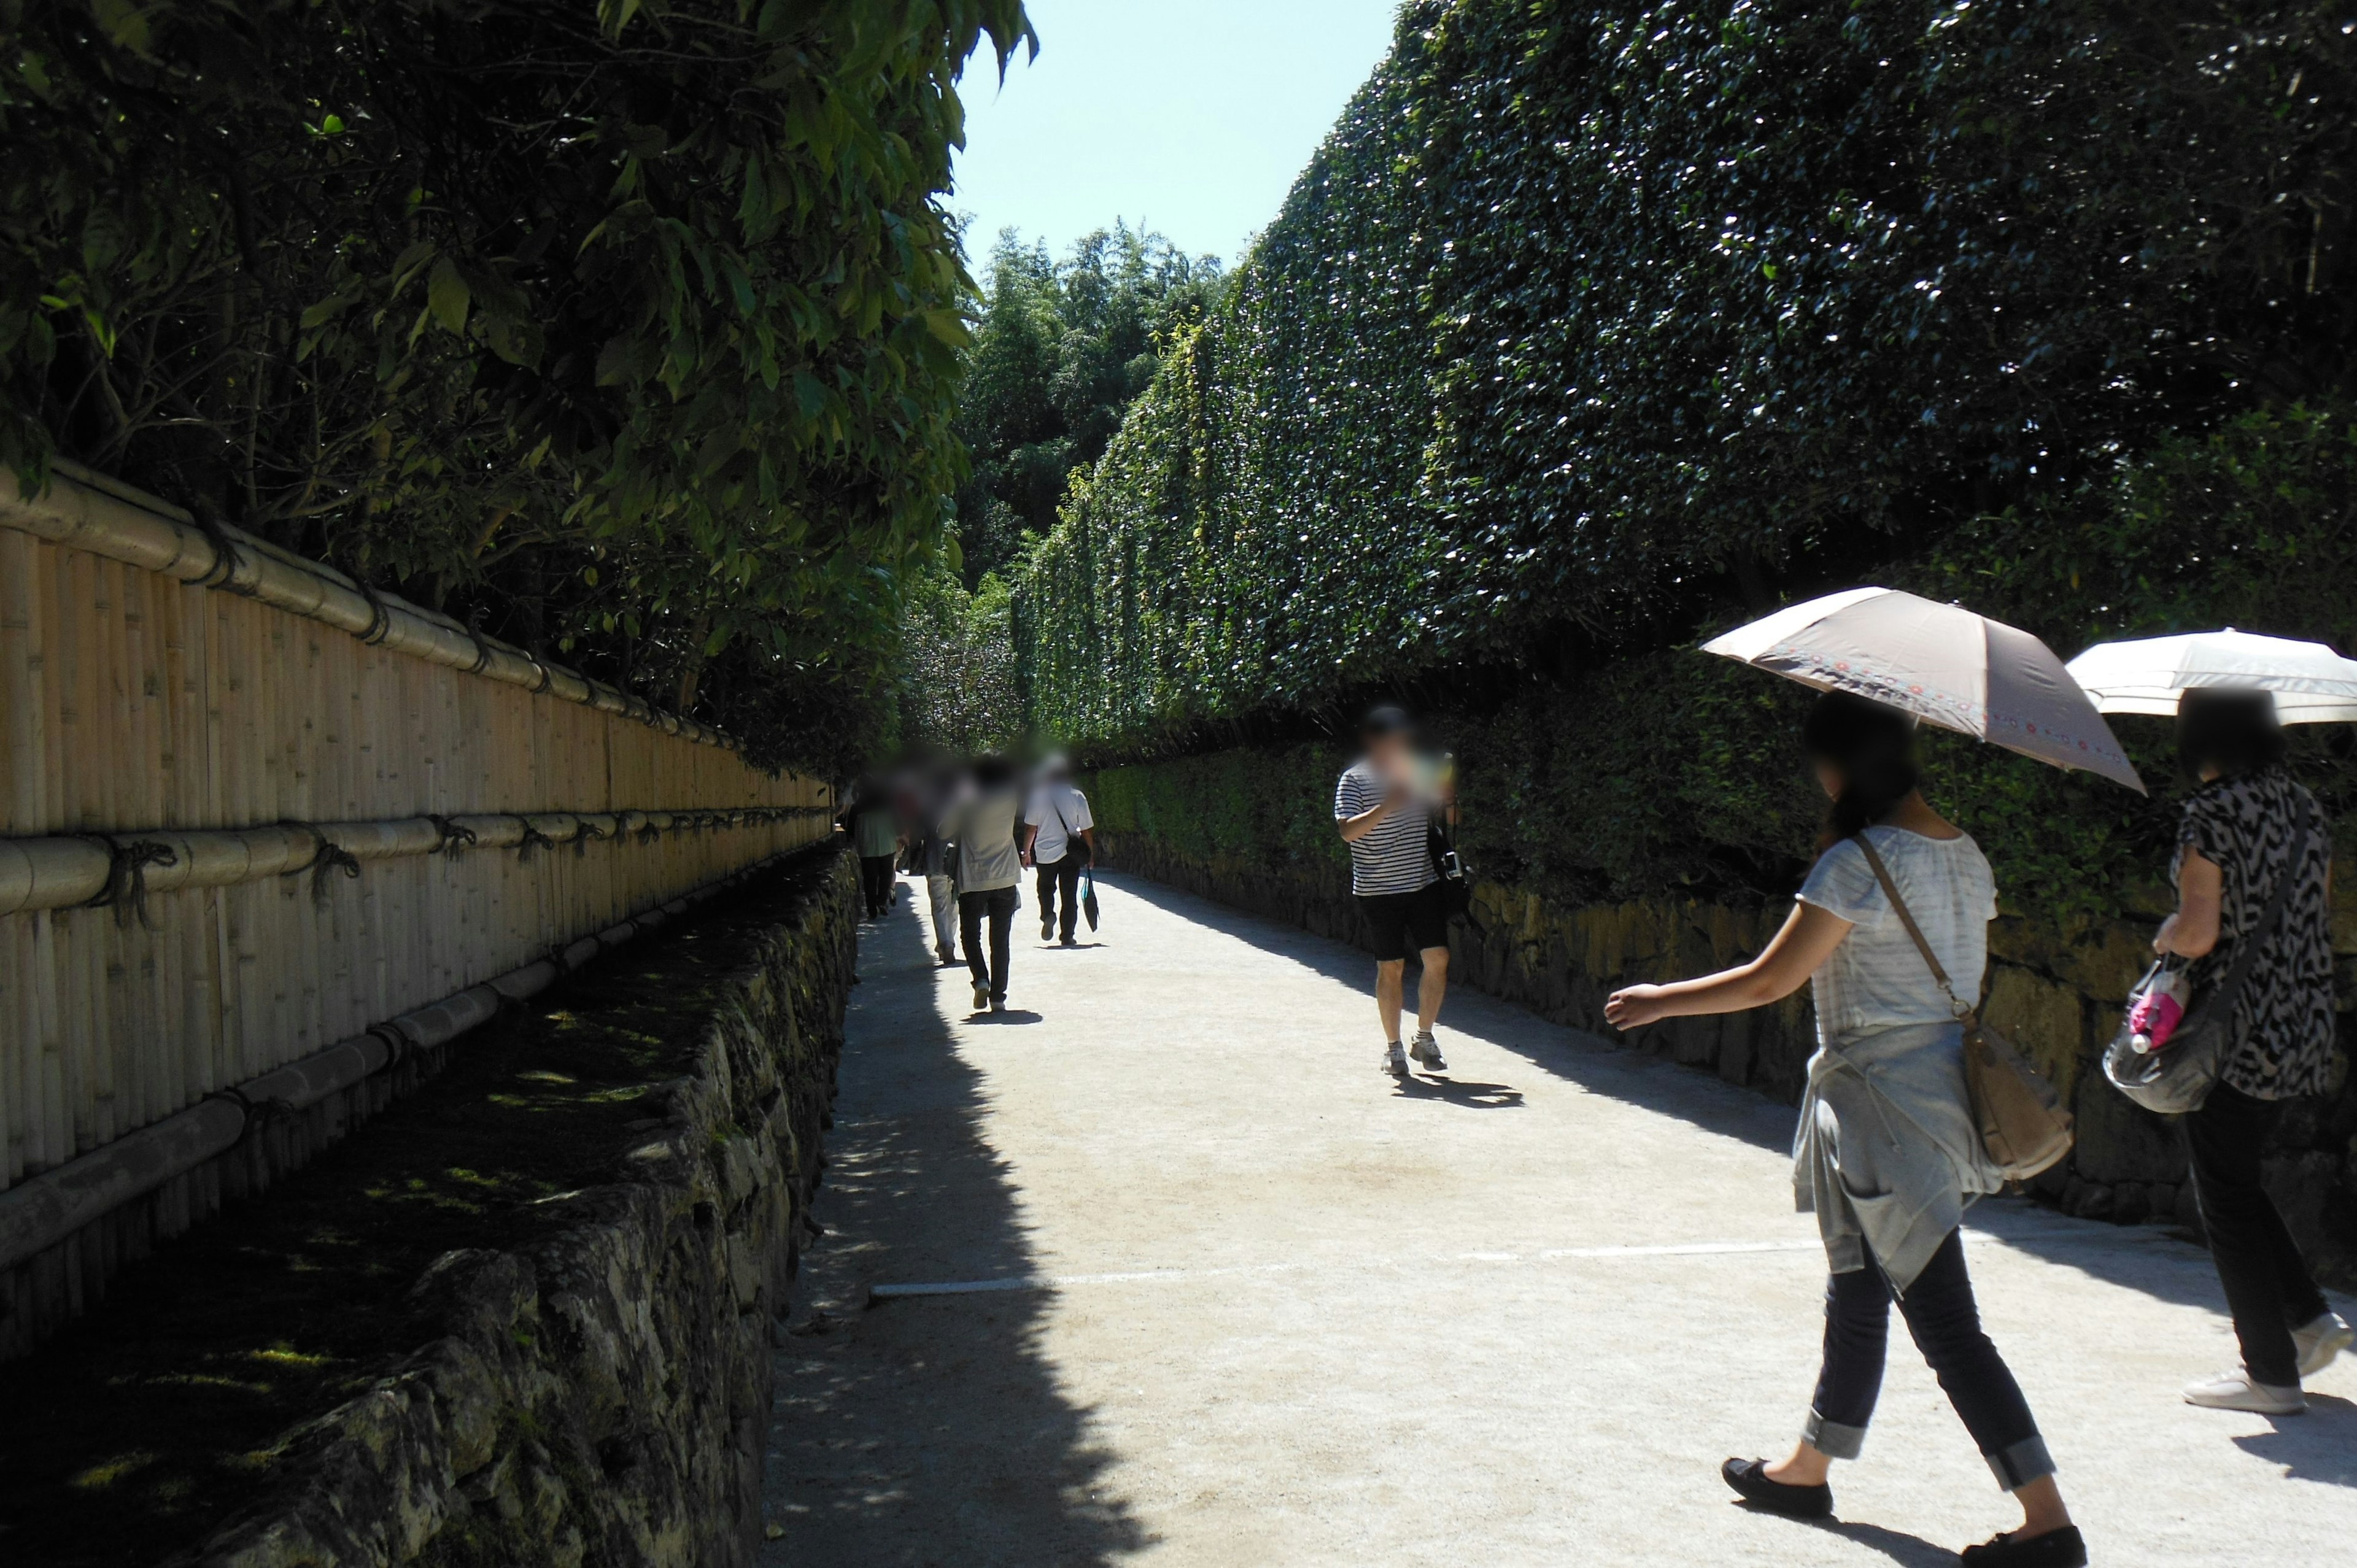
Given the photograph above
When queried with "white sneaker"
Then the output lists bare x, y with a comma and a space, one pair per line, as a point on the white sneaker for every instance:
2321, 1340
981, 998
2236, 1391
1394, 1060
1426, 1050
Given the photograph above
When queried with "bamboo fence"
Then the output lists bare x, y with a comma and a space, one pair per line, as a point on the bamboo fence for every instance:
253, 811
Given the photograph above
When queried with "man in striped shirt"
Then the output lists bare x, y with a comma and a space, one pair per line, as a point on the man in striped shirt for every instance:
1385, 815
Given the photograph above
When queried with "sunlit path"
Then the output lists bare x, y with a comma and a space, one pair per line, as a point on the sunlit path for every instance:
1245, 1301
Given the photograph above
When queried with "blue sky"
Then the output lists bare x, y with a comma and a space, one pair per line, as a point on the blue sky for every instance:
1191, 115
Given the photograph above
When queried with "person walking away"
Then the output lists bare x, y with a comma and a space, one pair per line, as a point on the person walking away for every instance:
2239, 837
1059, 838
1887, 1155
876, 840
1385, 811
928, 856
989, 866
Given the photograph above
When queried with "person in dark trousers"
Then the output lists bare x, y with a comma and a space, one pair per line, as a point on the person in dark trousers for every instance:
989, 867
876, 839
929, 857
1888, 1153
1385, 810
1059, 838
2240, 836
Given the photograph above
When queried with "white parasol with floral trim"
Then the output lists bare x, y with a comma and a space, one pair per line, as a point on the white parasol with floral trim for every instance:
1941, 662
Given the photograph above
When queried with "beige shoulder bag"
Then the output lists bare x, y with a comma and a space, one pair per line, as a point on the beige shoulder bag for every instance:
2022, 1120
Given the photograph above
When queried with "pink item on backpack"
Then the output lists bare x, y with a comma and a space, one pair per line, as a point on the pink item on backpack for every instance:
2156, 1011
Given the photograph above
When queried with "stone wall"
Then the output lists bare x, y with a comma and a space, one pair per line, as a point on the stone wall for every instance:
602, 1396
2059, 995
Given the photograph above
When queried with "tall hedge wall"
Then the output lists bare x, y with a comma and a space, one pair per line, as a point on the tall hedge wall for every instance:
1594, 323
1594, 326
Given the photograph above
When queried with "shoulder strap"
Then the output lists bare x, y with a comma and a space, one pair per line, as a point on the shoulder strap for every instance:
2249, 945
1907, 918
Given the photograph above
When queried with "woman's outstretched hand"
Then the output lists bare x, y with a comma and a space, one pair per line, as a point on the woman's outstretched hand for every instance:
1635, 1007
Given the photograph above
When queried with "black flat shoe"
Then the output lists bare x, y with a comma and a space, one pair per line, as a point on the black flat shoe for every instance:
1749, 1479
2056, 1549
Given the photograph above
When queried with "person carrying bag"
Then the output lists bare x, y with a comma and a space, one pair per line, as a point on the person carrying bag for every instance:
2019, 1116
2175, 1077
1913, 1111
2253, 873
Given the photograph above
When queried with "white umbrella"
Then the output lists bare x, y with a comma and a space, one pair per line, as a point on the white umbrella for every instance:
2313, 686
1941, 662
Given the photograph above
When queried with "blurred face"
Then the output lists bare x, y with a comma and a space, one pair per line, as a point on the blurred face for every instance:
1829, 777
1388, 752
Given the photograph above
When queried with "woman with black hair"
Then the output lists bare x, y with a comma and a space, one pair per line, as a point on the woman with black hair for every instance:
2247, 827
1887, 1155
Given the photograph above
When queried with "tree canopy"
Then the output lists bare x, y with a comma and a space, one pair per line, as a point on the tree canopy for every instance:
1060, 352
630, 329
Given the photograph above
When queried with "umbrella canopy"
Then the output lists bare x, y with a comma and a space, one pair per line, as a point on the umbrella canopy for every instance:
2313, 686
1941, 662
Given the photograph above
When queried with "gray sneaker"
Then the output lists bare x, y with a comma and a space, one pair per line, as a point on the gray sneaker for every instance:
1426, 1050
2319, 1340
1394, 1060
981, 998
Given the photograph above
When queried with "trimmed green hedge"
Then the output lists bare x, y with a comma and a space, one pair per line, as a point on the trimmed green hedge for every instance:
1594, 321
1596, 327
1677, 772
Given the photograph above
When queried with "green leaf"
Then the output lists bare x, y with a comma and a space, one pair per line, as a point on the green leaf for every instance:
447, 296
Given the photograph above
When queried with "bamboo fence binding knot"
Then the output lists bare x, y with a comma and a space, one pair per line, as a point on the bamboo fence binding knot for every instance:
398, 1046
482, 648
224, 572
380, 624
126, 876
326, 858
259, 1113
455, 835
532, 836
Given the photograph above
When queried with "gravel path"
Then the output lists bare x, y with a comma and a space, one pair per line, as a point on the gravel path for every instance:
1245, 1301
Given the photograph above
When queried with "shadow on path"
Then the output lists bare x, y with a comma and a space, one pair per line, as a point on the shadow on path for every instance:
2318, 1446
1912, 1551
2143, 1257
868, 1464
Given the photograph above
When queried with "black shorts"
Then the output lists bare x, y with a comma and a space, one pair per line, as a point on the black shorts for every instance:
1400, 923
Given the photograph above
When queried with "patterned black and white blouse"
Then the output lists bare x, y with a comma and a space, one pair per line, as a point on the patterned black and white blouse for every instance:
2283, 1043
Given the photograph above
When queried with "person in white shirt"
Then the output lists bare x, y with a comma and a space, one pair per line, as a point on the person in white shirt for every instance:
1060, 838
983, 825
1888, 1153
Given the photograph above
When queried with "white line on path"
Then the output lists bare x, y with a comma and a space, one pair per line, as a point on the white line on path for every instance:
1147, 1276
1052, 1281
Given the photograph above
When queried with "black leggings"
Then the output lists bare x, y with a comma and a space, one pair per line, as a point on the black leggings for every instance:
876, 882
2269, 1287
1947, 1324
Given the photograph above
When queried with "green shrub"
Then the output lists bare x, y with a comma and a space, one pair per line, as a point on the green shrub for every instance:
629, 327
1592, 321
1597, 326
